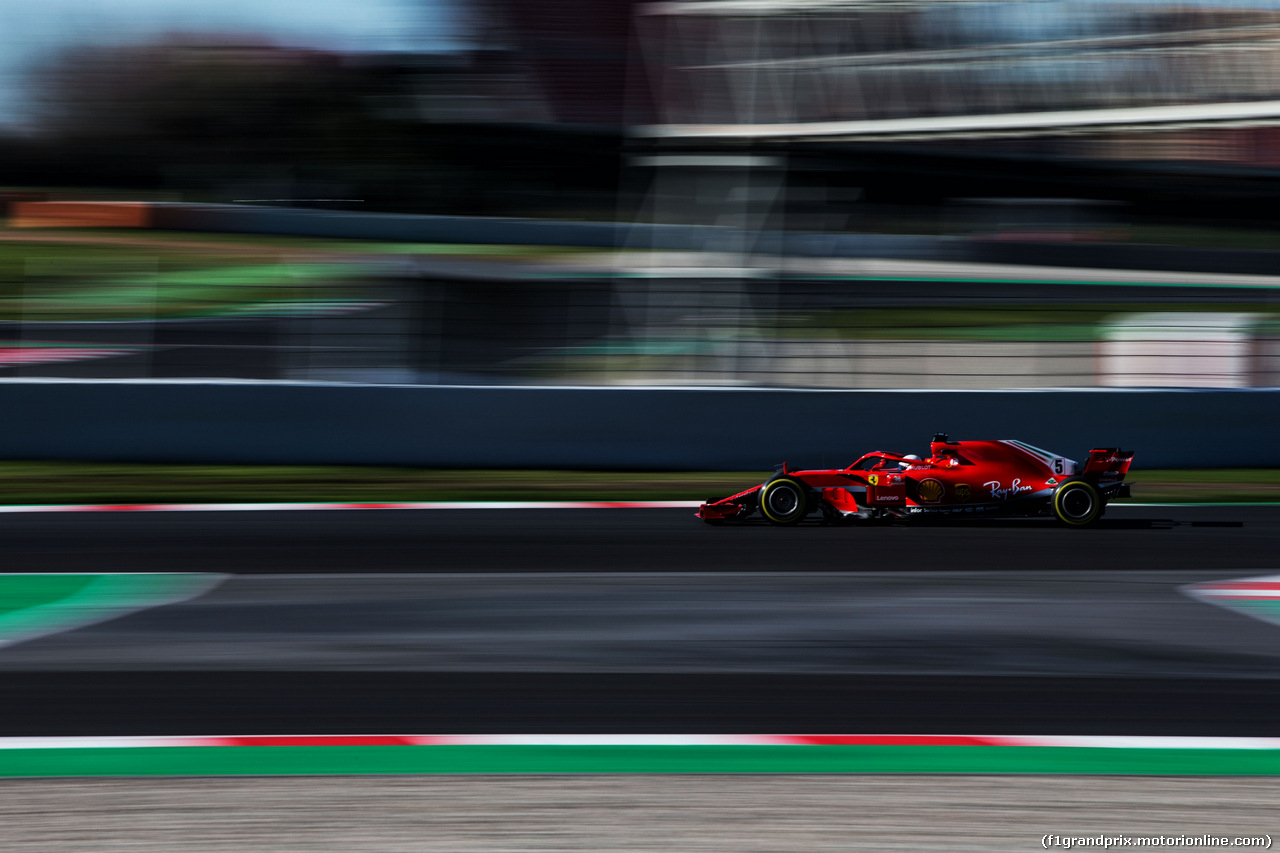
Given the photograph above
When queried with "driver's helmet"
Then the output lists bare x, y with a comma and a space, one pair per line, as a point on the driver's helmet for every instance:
909, 460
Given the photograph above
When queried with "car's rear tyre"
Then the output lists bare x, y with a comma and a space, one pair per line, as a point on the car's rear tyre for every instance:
1077, 503
784, 501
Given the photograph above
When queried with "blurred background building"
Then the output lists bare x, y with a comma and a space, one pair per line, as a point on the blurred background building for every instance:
938, 101
957, 194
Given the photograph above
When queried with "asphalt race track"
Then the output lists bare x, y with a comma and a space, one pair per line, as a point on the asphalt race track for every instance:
648, 621
632, 540
1101, 624
159, 703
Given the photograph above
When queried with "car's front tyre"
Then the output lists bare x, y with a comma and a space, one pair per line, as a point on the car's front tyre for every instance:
784, 501
1077, 503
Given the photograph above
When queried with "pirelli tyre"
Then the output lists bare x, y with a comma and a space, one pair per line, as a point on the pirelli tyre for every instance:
1077, 503
784, 501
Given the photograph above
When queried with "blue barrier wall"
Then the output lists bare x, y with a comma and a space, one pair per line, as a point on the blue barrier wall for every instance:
612, 428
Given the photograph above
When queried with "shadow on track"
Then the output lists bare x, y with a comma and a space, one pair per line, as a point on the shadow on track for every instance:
650, 540
927, 522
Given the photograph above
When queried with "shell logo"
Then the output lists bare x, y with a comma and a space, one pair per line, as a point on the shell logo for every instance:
931, 491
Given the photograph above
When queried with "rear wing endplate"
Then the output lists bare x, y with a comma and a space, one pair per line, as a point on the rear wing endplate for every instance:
1108, 463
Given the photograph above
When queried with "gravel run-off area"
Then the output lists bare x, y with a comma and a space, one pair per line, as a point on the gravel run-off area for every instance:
736, 814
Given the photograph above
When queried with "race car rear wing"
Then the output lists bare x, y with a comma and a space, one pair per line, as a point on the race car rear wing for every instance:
1108, 464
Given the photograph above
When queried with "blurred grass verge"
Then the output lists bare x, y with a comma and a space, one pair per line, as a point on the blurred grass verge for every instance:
74, 482
94, 276
87, 274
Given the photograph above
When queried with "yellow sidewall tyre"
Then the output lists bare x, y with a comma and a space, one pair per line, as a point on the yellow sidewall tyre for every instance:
784, 501
1077, 503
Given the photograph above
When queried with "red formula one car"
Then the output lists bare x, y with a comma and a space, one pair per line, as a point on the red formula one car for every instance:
1009, 478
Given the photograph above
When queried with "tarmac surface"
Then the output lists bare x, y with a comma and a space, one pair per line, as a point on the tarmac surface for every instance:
1192, 538
1042, 623
634, 621
648, 621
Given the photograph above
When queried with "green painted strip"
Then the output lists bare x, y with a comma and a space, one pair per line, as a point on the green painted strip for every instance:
1268, 610
301, 760
20, 592
46, 604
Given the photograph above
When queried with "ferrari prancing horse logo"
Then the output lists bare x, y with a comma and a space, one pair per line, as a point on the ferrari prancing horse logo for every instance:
874, 479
